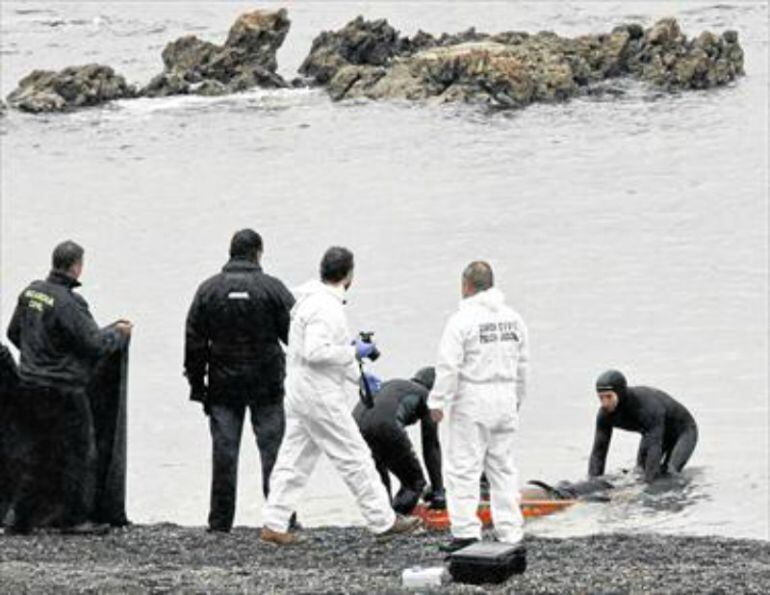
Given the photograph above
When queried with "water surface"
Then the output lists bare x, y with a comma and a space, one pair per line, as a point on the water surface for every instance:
629, 231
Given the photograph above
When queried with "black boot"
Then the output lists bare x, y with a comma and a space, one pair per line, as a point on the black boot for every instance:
294, 524
457, 543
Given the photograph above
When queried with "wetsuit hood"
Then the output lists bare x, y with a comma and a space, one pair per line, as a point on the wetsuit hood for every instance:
612, 380
426, 377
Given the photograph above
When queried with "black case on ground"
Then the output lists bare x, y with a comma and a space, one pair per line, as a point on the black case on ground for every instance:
487, 562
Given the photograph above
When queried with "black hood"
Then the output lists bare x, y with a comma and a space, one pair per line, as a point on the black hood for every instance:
426, 377
612, 380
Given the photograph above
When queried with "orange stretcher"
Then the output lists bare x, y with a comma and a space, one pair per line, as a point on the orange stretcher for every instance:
438, 520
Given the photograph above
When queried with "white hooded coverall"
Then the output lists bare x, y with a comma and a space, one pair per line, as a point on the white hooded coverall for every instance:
319, 361
481, 377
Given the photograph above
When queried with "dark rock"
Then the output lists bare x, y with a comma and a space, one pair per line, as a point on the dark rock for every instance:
73, 87
634, 30
668, 60
360, 43
512, 69
246, 60
467, 36
188, 53
166, 84
420, 41
510, 37
300, 82
664, 32
258, 35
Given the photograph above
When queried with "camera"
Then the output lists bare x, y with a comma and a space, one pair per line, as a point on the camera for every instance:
366, 337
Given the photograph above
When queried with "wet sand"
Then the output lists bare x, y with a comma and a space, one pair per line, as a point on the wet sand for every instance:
165, 557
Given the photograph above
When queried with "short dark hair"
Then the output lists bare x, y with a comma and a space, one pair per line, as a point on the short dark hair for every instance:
336, 263
479, 275
66, 254
245, 244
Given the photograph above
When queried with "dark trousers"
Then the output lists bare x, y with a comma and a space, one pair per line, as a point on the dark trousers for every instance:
226, 424
675, 458
53, 460
393, 453
676, 450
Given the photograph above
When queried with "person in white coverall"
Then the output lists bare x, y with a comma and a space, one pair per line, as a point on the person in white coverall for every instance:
481, 380
320, 360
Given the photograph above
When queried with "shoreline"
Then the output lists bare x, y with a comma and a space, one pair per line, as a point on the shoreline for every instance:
171, 558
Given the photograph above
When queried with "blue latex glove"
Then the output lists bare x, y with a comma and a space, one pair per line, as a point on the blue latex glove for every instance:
363, 349
374, 383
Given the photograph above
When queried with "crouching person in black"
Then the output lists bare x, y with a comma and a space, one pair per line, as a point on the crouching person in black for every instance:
234, 361
60, 343
669, 432
398, 404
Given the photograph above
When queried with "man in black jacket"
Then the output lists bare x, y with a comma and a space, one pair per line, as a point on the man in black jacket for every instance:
234, 360
59, 343
669, 432
398, 404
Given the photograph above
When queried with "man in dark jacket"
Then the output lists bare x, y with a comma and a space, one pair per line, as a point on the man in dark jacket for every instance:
234, 360
59, 343
669, 432
398, 404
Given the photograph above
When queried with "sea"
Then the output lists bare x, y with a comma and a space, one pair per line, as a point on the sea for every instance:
629, 229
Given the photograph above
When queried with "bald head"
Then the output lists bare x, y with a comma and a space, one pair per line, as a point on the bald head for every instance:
477, 277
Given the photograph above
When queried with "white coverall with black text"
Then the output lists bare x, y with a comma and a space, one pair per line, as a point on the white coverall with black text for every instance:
481, 377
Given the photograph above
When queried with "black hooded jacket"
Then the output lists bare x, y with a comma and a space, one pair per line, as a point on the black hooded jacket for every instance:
234, 326
398, 404
57, 337
656, 415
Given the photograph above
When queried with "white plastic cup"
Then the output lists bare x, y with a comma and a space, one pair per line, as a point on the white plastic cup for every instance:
418, 577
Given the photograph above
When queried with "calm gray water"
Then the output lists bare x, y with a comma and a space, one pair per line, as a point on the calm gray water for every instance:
630, 233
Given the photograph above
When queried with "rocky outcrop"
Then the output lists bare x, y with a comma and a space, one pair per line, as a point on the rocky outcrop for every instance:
360, 42
513, 69
371, 59
73, 87
246, 60
664, 57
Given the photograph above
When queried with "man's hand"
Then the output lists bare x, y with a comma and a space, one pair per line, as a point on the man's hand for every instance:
437, 415
374, 383
201, 395
364, 349
124, 326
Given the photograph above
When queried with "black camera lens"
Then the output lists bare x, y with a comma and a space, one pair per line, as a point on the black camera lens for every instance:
374, 354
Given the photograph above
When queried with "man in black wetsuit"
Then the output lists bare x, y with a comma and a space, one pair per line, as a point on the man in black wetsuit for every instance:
669, 432
398, 404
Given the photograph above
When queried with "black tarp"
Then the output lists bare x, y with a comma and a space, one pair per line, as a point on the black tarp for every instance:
107, 394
